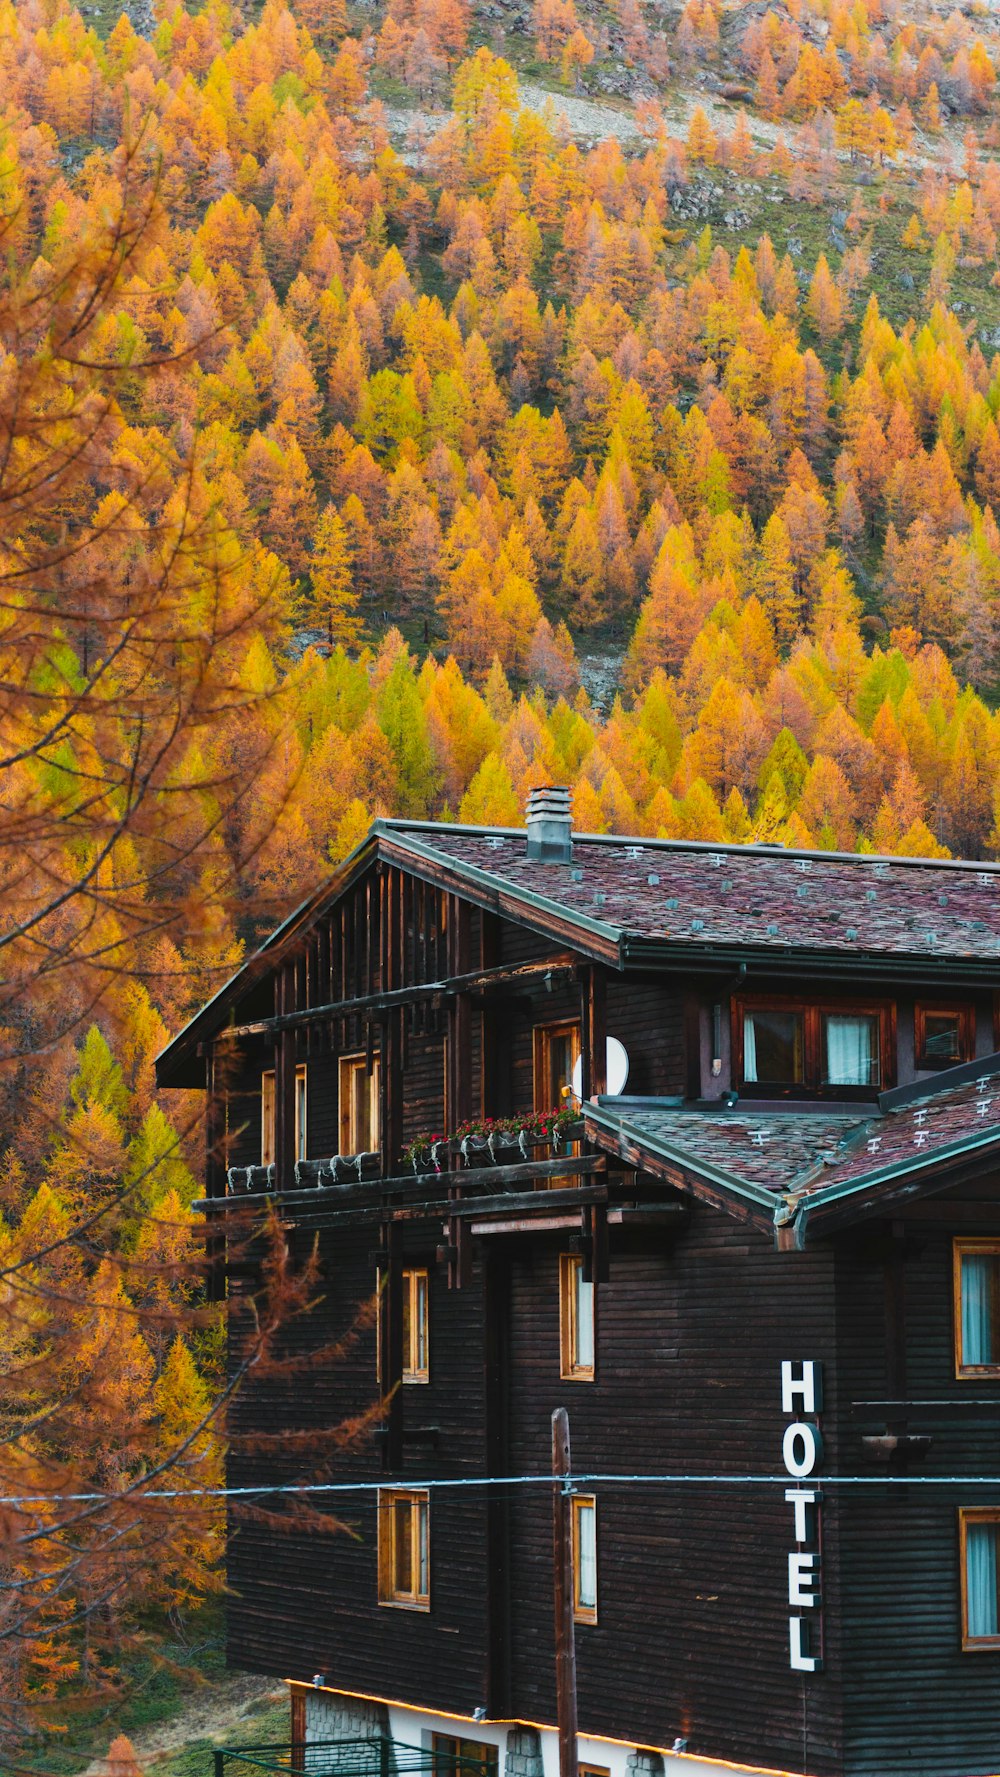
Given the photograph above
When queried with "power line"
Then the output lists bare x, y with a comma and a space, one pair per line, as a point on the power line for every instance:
570, 1482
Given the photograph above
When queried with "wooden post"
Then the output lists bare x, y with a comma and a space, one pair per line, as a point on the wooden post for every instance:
394, 1344
215, 1175
562, 1562
285, 1154
593, 1033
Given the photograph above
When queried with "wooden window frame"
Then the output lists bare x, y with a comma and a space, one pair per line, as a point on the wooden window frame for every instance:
411, 1276
543, 1037
964, 1011
388, 1499
464, 1753
974, 1644
409, 1283
268, 1117
585, 1770
813, 1013
347, 1066
583, 1613
960, 1246
570, 1367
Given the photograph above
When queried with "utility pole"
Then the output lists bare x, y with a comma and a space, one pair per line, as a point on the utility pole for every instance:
562, 1569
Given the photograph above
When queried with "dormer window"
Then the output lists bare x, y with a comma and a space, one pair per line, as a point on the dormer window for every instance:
784, 1048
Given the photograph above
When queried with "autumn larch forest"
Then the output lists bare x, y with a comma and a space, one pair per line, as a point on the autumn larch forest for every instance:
402, 406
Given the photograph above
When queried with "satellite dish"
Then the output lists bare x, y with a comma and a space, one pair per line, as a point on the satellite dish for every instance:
617, 1069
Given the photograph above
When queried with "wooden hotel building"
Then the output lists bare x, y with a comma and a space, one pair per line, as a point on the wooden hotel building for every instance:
760, 1271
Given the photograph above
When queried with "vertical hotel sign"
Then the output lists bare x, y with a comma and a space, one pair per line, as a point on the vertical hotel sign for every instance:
802, 1452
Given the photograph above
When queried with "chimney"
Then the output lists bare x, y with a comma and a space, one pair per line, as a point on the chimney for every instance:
550, 824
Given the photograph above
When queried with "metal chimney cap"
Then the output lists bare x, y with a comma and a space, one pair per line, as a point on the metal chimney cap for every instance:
550, 823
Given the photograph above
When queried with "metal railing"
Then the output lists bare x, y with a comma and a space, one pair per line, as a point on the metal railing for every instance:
375, 1756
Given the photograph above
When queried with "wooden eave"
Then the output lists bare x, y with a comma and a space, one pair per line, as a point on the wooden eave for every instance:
740, 1198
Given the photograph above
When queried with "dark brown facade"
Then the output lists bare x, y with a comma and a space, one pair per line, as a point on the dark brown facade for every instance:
728, 1225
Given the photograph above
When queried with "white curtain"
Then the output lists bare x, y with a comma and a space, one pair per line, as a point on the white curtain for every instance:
749, 1048
848, 1051
584, 1320
981, 1578
977, 1306
586, 1554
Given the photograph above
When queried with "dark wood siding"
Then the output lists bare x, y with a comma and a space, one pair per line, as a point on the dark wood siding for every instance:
305, 1602
692, 1632
914, 1701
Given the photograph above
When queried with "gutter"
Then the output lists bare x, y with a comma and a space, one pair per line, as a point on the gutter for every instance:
669, 955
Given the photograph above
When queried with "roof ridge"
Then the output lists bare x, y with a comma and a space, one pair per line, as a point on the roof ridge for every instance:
727, 847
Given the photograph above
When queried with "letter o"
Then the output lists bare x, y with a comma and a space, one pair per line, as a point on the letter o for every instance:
801, 1447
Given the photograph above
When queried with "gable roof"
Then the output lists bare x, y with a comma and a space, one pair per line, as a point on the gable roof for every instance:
668, 903
799, 1167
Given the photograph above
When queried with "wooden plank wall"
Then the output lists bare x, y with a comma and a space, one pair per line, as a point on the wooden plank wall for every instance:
914, 1702
304, 1601
692, 1631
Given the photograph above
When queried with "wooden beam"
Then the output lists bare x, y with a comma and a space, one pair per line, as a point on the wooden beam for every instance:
541, 1201
475, 981
530, 1225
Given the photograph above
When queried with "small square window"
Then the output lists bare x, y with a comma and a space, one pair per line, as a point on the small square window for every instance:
403, 1547
585, 1558
979, 1534
977, 1307
576, 1321
943, 1036
774, 1047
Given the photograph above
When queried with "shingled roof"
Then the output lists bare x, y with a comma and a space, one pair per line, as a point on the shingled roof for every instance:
664, 903
793, 1166
691, 896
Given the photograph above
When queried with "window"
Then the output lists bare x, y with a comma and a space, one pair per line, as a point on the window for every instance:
783, 1047
300, 1113
977, 1307
415, 1328
774, 1046
576, 1320
979, 1533
585, 1558
359, 1090
943, 1035
452, 1756
594, 1771
850, 1049
267, 1114
557, 1051
403, 1551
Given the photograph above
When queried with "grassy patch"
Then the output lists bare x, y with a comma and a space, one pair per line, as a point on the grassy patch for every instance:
259, 1727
